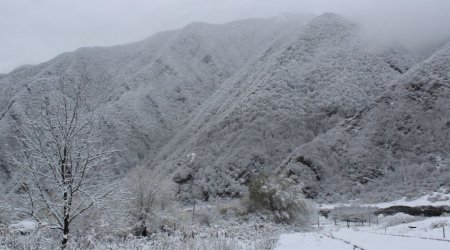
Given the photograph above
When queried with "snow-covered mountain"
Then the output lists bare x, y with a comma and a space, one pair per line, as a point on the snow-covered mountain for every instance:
310, 97
145, 90
397, 146
301, 86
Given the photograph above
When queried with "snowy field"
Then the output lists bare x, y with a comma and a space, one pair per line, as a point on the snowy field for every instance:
418, 235
310, 241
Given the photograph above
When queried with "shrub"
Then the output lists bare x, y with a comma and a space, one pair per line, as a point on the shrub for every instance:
439, 224
282, 197
234, 207
399, 218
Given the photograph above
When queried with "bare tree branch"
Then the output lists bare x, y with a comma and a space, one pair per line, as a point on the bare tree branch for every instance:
62, 164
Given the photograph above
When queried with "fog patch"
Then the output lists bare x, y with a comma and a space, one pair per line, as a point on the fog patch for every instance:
415, 24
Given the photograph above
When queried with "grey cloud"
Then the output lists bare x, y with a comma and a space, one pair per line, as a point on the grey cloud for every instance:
413, 23
33, 31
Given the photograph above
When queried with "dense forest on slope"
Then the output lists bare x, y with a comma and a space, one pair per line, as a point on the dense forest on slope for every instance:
308, 97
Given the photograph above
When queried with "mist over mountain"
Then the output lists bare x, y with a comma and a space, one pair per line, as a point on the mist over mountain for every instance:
308, 97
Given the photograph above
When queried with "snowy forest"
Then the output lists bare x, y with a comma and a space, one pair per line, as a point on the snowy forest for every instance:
298, 131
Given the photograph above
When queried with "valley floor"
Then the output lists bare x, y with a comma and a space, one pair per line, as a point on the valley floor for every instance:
419, 235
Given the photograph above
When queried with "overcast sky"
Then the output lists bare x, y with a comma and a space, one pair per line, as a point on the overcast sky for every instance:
33, 31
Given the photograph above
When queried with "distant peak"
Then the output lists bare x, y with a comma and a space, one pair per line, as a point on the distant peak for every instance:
330, 18
293, 17
330, 15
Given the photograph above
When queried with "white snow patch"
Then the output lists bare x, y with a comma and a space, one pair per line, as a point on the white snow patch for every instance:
25, 226
374, 241
310, 241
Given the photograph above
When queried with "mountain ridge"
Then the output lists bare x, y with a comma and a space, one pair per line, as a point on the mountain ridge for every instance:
284, 95
224, 163
151, 86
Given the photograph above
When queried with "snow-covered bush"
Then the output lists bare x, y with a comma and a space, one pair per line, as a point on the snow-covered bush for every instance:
438, 197
148, 207
398, 218
229, 235
439, 224
234, 207
283, 197
35, 238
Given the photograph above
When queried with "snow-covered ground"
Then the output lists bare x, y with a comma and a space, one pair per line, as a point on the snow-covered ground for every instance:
432, 199
418, 235
428, 228
374, 241
310, 241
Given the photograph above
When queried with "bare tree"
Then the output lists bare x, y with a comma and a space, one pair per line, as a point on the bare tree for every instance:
149, 199
144, 194
61, 163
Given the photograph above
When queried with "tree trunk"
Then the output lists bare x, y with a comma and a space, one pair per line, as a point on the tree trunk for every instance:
66, 222
65, 235
193, 213
67, 196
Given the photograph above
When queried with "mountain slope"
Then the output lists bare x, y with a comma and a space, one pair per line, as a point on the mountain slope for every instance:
398, 146
145, 90
209, 107
300, 87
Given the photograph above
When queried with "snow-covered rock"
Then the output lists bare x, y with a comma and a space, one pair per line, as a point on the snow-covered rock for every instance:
23, 227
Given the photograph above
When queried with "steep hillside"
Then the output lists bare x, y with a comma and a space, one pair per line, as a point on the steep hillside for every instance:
145, 90
208, 107
398, 146
301, 86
